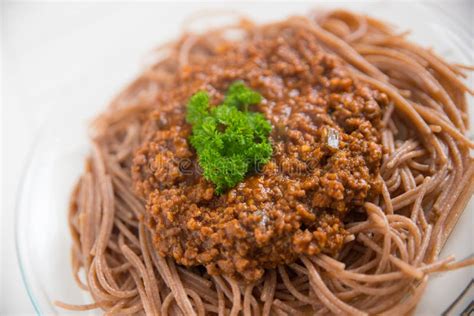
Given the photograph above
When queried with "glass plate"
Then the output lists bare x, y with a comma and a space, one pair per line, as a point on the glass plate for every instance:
42, 236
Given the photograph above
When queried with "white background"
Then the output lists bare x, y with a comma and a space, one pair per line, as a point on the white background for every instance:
46, 47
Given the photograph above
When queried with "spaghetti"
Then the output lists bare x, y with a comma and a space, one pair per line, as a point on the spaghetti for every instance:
427, 177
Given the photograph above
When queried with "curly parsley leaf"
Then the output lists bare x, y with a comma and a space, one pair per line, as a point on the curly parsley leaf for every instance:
239, 95
229, 139
198, 107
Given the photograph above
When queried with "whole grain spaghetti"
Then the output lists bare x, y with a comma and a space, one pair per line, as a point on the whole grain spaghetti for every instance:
399, 215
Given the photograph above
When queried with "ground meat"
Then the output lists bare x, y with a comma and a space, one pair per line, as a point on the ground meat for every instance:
325, 163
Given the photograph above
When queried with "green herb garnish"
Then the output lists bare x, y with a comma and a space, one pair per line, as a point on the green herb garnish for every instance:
229, 139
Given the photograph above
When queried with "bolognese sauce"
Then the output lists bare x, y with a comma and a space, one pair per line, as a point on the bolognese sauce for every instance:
325, 163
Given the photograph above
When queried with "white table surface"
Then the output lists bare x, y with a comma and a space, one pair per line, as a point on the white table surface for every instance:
46, 47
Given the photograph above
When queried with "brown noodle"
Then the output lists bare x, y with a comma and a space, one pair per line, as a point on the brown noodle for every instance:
428, 177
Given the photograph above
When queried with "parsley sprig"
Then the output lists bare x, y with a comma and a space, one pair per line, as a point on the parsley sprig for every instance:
228, 138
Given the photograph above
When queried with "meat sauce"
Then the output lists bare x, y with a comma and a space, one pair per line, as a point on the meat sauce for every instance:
325, 164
